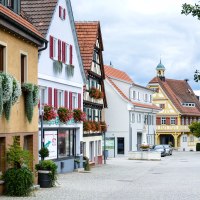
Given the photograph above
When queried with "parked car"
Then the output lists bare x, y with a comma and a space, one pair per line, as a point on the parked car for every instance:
168, 148
159, 148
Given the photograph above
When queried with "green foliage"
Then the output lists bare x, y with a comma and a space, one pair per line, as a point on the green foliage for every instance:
28, 89
43, 152
18, 181
35, 95
190, 9
87, 165
7, 108
195, 129
18, 157
64, 114
198, 147
50, 166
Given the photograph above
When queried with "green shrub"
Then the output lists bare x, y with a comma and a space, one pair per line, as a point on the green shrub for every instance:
50, 166
198, 147
87, 165
43, 152
18, 181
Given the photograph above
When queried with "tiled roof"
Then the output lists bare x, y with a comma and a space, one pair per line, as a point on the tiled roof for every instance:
19, 20
136, 104
87, 33
116, 73
179, 91
39, 13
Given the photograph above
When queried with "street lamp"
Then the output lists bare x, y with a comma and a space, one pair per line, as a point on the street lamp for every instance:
104, 149
42, 130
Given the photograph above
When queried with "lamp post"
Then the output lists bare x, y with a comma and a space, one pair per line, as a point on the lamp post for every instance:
42, 131
104, 148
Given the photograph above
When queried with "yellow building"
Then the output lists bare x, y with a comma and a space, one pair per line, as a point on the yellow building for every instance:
180, 107
19, 42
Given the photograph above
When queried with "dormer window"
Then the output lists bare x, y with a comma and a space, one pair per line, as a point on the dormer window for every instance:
10, 4
188, 104
62, 13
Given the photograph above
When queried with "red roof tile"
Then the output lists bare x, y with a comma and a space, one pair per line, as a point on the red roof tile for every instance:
39, 13
87, 33
179, 91
116, 73
19, 20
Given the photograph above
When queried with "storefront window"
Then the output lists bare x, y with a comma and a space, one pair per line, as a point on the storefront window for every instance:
66, 143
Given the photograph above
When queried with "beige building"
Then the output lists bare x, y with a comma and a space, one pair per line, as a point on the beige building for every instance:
19, 43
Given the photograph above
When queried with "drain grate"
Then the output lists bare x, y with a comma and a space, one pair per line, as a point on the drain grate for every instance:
129, 181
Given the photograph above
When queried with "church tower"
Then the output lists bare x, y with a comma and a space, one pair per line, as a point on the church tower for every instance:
161, 71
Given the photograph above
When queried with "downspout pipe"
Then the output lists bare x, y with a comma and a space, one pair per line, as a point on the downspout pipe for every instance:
43, 48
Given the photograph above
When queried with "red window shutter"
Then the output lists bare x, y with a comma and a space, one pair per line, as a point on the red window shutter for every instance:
60, 10
64, 13
50, 96
167, 120
59, 50
63, 52
79, 100
66, 99
71, 54
51, 47
176, 121
55, 98
158, 122
70, 100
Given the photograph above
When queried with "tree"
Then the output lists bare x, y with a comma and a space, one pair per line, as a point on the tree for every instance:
195, 12
195, 129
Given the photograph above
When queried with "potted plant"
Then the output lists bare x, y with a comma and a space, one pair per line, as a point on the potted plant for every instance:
18, 177
86, 126
86, 163
144, 147
103, 126
49, 113
64, 114
47, 170
79, 115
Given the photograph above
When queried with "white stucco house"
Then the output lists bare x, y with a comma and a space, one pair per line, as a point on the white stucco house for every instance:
131, 116
60, 76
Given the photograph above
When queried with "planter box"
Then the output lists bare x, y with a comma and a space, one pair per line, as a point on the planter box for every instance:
2, 187
144, 155
44, 180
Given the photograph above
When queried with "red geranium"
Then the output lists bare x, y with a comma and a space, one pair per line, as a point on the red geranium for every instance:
49, 113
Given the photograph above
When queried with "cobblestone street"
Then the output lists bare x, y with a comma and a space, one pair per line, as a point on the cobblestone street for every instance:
175, 177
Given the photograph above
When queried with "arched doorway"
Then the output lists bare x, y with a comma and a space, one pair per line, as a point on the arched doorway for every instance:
167, 139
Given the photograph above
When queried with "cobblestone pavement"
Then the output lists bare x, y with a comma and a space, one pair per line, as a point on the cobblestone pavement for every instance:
175, 177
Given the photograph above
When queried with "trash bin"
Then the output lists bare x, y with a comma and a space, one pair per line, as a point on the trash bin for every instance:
106, 154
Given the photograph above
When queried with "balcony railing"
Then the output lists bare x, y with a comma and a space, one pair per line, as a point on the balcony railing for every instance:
87, 97
176, 128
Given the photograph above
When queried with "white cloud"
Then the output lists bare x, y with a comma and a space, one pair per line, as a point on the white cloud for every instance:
137, 32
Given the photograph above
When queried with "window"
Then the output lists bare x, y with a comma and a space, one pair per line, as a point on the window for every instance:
62, 13
182, 121
138, 96
10, 4
74, 101
150, 97
60, 98
145, 97
132, 117
55, 48
99, 147
66, 145
172, 120
186, 121
2, 58
162, 106
184, 138
23, 68
191, 138
134, 95
96, 57
163, 120
139, 118
43, 96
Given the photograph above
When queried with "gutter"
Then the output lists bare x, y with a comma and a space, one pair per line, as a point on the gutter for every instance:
43, 48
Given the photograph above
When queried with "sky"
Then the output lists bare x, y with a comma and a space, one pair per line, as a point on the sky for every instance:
138, 33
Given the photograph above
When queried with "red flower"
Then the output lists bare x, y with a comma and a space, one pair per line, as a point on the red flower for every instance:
49, 113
